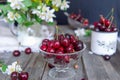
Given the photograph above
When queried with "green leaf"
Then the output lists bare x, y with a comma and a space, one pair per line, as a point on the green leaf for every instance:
38, 19
22, 19
27, 3
34, 5
5, 8
4, 67
28, 23
51, 23
88, 32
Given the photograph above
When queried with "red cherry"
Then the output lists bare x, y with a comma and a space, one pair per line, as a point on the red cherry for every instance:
51, 43
108, 30
102, 19
43, 47
73, 16
59, 56
61, 49
107, 22
28, 50
79, 45
67, 35
102, 28
50, 65
65, 42
66, 59
106, 57
83, 79
51, 50
114, 29
14, 75
16, 53
70, 49
45, 41
97, 24
56, 44
80, 19
23, 76
72, 39
85, 22
61, 37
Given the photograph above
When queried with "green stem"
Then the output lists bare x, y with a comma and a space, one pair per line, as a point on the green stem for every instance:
57, 32
110, 13
111, 21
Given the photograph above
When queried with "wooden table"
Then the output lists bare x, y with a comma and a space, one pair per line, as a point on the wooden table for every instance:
91, 66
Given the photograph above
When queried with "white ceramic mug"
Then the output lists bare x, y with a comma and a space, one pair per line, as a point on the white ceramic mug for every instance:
104, 43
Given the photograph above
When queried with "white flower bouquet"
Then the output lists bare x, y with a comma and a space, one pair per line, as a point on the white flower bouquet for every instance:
27, 12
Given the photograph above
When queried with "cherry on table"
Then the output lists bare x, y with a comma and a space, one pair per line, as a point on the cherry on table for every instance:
28, 50
23, 75
14, 75
50, 65
16, 53
107, 57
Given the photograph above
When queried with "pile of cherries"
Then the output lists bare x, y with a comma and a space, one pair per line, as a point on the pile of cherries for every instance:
105, 25
19, 76
62, 44
79, 18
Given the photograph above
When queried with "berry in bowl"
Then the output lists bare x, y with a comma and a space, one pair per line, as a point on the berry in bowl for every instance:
77, 20
62, 52
104, 36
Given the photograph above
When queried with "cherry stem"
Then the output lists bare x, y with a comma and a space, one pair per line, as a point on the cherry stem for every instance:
110, 13
111, 21
57, 32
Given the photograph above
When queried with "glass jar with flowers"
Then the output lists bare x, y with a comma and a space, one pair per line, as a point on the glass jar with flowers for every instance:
29, 17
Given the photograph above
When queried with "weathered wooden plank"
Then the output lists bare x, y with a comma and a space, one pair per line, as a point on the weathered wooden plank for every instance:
35, 67
115, 61
98, 69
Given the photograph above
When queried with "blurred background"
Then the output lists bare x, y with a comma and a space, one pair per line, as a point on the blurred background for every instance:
91, 9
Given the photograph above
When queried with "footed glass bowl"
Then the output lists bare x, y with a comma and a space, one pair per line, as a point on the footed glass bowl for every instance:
63, 63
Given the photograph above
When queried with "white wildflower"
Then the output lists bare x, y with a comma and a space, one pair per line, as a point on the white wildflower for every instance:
11, 16
17, 16
13, 67
16, 4
14, 0
80, 32
49, 15
42, 15
57, 3
35, 11
64, 5
45, 8
39, 7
